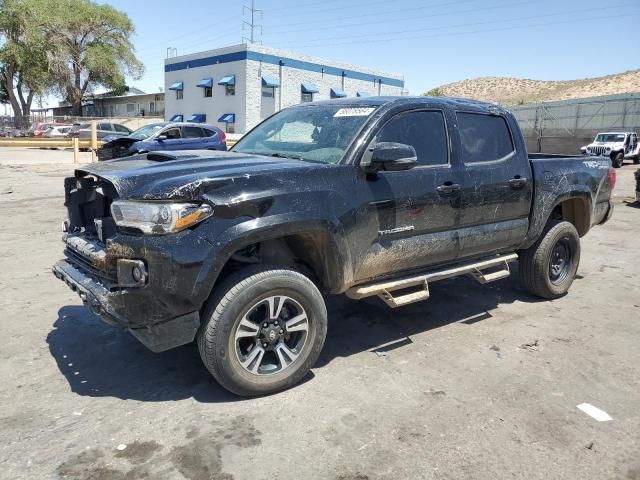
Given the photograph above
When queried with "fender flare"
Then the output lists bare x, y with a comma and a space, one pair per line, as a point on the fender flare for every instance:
333, 255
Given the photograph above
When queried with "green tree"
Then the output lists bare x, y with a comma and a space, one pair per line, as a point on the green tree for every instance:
91, 46
23, 53
434, 92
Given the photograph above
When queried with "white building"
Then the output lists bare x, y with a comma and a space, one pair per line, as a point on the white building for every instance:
236, 87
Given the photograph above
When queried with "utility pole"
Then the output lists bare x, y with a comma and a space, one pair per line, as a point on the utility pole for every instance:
251, 25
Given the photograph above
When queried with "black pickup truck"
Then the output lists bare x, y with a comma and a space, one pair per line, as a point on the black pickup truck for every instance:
364, 197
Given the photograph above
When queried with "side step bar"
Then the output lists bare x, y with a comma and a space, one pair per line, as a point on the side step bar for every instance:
385, 290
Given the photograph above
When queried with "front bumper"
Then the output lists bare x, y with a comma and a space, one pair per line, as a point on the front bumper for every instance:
156, 337
164, 311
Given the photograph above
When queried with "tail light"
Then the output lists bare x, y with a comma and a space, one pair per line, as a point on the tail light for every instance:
612, 179
223, 137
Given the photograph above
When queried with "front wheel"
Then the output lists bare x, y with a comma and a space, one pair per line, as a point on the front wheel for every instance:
548, 267
263, 330
617, 160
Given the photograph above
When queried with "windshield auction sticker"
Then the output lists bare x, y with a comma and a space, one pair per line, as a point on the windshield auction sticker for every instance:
354, 112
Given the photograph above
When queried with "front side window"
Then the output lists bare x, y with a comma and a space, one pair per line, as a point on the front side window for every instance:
229, 90
121, 128
315, 133
105, 126
208, 92
179, 95
172, 133
483, 138
425, 131
306, 97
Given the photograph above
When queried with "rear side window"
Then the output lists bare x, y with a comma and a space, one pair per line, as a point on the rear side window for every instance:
208, 133
105, 126
424, 130
191, 132
483, 137
121, 128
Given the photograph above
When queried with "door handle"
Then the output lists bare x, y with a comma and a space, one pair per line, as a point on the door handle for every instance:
517, 182
448, 188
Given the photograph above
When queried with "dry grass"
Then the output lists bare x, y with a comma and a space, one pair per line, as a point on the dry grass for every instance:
512, 91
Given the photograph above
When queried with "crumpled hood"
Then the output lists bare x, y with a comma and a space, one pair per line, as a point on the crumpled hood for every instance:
195, 174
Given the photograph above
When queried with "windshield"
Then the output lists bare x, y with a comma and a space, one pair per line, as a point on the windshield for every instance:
610, 137
316, 133
145, 132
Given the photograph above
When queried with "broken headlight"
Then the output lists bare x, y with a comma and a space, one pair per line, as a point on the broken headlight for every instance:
156, 217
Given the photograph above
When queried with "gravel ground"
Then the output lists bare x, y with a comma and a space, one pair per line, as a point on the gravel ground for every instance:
478, 382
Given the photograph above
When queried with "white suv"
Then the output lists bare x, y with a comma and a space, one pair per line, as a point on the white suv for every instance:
616, 145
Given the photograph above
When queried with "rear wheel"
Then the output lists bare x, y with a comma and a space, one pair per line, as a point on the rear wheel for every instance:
617, 160
548, 267
263, 330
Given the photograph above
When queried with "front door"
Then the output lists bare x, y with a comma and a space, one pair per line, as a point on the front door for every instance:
173, 140
497, 185
412, 215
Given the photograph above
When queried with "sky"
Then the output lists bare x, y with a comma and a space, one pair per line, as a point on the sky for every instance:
430, 42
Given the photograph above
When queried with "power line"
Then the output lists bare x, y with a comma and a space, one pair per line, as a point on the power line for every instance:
387, 20
471, 24
379, 13
490, 30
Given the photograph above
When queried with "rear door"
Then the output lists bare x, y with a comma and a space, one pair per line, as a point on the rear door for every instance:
497, 184
413, 215
192, 138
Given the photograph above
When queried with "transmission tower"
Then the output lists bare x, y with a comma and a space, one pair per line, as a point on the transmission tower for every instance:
251, 24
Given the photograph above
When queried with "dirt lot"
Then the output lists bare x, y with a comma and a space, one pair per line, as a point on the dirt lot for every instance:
479, 382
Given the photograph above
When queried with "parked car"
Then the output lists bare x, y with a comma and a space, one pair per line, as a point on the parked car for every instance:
375, 196
165, 136
38, 129
618, 146
57, 131
83, 130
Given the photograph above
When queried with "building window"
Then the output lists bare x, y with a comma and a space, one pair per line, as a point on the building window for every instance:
230, 128
208, 92
179, 94
229, 90
130, 107
152, 106
306, 97
267, 92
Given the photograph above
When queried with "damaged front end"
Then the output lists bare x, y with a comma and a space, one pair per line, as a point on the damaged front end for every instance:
151, 285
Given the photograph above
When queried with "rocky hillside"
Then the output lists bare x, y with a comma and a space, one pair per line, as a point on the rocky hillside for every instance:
512, 91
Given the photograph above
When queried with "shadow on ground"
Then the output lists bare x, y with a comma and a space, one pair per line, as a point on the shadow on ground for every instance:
102, 361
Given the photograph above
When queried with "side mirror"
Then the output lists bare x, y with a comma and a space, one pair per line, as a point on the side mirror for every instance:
161, 138
392, 157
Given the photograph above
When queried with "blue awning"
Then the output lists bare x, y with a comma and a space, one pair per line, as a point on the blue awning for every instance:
363, 94
177, 86
197, 118
270, 82
176, 118
228, 80
228, 118
205, 83
337, 93
309, 88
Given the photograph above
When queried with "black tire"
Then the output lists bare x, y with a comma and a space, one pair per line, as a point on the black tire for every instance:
232, 301
535, 263
617, 160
